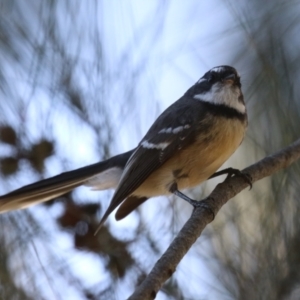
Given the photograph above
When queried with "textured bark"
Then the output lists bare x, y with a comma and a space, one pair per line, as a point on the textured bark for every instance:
166, 265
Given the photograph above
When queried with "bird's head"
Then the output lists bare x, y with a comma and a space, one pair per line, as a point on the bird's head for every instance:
221, 86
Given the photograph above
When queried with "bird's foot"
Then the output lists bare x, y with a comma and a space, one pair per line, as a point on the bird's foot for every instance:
234, 172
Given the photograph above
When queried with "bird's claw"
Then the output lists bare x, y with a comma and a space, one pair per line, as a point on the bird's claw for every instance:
246, 176
204, 204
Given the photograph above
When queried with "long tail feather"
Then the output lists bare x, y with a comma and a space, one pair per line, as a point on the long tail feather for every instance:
56, 186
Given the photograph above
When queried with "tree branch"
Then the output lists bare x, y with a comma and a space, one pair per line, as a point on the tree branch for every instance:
166, 265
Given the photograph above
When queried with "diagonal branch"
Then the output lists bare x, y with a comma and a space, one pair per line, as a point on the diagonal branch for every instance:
166, 265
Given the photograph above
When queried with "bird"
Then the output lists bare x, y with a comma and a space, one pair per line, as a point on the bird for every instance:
185, 146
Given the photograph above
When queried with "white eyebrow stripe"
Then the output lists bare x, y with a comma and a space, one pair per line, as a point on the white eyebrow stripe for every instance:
148, 145
201, 80
218, 69
174, 130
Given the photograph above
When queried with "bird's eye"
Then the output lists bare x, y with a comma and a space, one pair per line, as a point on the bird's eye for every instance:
212, 77
229, 78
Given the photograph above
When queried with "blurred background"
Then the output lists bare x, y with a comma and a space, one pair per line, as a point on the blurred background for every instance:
81, 81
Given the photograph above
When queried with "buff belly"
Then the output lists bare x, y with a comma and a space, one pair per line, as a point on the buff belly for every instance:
194, 164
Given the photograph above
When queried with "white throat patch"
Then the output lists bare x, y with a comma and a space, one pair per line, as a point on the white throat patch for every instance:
223, 94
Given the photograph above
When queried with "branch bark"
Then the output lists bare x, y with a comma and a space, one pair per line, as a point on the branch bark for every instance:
166, 265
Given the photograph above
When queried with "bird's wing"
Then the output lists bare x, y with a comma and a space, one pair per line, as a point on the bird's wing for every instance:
56, 186
127, 206
171, 132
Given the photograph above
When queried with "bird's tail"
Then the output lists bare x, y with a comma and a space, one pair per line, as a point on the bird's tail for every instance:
102, 175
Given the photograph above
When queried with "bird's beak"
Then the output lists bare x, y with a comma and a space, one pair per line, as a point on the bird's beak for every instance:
230, 79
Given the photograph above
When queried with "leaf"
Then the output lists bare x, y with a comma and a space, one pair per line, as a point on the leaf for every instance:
9, 165
8, 135
39, 152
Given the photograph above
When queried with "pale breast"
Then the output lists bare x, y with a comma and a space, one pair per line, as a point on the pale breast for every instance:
194, 164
